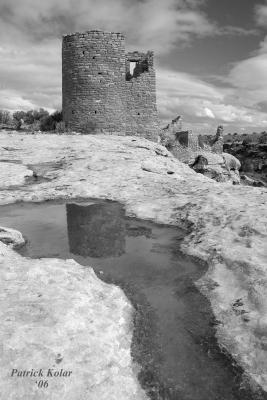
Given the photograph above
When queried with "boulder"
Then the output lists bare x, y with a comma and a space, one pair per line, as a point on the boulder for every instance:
216, 166
251, 182
231, 162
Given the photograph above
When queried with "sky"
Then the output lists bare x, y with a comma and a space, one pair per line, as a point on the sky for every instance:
210, 55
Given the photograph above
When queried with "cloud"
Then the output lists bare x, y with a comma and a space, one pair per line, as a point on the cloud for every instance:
203, 105
250, 73
249, 78
209, 113
261, 14
236, 31
12, 100
32, 75
171, 82
154, 24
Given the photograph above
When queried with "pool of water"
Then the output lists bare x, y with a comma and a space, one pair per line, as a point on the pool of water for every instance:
174, 328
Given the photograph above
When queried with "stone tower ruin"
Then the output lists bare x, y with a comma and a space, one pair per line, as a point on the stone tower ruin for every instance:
106, 90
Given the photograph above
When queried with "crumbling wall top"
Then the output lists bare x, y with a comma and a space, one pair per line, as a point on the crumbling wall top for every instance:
138, 55
96, 33
138, 62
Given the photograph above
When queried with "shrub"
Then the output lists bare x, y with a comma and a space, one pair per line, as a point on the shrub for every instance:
263, 138
18, 125
5, 117
57, 116
39, 114
19, 115
248, 140
48, 123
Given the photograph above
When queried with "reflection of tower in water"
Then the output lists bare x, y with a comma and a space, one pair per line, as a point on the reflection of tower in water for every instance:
96, 230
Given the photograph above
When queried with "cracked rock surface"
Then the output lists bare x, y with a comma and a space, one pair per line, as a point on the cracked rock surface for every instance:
226, 226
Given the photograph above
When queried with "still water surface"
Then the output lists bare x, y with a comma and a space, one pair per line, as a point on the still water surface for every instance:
174, 331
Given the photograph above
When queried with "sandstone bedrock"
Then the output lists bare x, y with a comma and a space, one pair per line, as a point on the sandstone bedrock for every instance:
226, 226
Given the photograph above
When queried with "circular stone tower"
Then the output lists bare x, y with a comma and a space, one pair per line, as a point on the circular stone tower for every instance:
93, 82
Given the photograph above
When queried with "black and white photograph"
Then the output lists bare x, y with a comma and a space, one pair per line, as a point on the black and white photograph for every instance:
133, 200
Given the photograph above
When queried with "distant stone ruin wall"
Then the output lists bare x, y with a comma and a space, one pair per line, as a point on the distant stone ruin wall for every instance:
142, 117
173, 136
101, 93
182, 140
187, 139
193, 141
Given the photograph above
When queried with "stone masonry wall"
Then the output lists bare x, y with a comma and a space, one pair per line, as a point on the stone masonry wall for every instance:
99, 92
93, 82
142, 117
192, 141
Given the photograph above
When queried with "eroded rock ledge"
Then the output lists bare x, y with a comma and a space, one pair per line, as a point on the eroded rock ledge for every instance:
227, 225
62, 326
